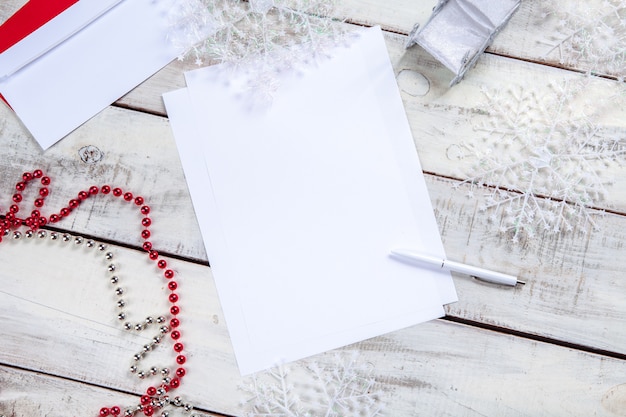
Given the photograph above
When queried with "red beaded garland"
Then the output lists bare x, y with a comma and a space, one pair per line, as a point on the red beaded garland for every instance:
36, 220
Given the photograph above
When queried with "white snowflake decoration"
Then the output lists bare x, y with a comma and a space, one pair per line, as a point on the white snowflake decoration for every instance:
591, 35
548, 148
268, 36
344, 388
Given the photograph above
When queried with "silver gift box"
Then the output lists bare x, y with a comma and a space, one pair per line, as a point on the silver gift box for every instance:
459, 31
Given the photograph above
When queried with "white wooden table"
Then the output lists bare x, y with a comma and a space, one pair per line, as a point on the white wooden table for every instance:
555, 347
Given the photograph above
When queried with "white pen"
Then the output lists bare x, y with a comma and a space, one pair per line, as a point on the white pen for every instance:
479, 273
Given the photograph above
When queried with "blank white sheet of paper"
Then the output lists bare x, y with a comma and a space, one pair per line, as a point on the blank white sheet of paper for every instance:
300, 201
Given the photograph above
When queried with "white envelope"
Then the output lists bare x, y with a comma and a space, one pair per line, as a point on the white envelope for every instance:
300, 203
83, 60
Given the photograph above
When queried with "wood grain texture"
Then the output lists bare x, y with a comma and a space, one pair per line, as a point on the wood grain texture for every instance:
32, 394
69, 329
56, 318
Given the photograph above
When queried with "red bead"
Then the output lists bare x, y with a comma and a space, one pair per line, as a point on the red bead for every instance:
174, 322
28, 222
151, 391
35, 213
153, 254
17, 197
174, 310
162, 264
14, 209
115, 410
27, 176
145, 399
148, 410
37, 173
175, 335
54, 218
138, 201
145, 210
173, 298
128, 196
145, 234
172, 285
175, 383
42, 221
169, 274
93, 190
181, 359
65, 212
105, 189
83, 195
178, 347
20, 186
147, 246
73, 203
146, 221
117, 192
43, 191
180, 372
45, 181
39, 202
104, 411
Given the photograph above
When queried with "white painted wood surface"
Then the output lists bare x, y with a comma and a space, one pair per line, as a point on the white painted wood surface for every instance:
554, 347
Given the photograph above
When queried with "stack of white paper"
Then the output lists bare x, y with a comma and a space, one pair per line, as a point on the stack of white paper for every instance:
300, 202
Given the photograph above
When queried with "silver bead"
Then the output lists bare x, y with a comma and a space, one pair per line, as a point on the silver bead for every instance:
119, 291
187, 407
54, 236
165, 414
154, 370
17, 235
66, 237
156, 340
114, 279
121, 303
160, 319
133, 369
29, 234
149, 320
111, 267
165, 371
128, 326
121, 316
167, 380
177, 401
78, 240
147, 348
90, 243
161, 391
6, 232
139, 327
102, 247
108, 256
164, 329
128, 413
42, 234
141, 374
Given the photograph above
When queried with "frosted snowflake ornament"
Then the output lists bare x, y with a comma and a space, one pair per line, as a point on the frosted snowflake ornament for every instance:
343, 388
267, 36
591, 35
543, 157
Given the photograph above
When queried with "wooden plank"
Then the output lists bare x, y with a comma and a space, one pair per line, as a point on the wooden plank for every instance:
67, 329
35, 394
568, 270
